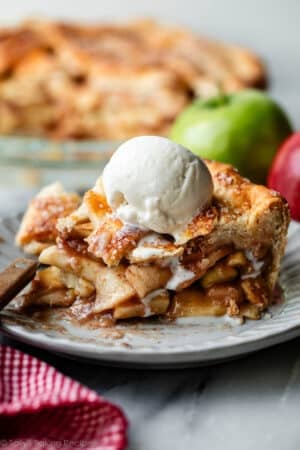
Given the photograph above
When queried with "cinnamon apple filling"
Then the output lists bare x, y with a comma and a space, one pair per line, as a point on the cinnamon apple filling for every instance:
229, 285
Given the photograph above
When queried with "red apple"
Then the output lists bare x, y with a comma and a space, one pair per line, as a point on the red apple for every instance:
284, 175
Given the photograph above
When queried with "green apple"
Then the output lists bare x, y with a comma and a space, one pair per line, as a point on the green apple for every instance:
243, 129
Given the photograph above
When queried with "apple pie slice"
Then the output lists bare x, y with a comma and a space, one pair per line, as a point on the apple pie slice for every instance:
226, 261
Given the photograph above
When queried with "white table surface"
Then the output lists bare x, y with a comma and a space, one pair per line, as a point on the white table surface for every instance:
249, 404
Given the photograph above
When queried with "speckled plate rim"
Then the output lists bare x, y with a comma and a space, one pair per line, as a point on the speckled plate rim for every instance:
173, 358
280, 328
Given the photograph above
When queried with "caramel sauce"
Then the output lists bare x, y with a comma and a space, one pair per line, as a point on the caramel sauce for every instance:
97, 203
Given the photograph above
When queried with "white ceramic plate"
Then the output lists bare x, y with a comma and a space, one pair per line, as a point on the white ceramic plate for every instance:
159, 345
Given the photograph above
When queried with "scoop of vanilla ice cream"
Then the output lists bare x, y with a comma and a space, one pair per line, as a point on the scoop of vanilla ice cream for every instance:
156, 184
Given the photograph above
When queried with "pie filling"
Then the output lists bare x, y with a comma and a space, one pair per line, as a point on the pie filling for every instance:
225, 262
225, 282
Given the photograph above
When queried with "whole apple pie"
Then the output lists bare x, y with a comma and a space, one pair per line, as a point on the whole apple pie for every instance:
111, 81
225, 260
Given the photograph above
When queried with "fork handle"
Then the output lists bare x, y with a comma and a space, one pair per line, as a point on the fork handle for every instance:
14, 278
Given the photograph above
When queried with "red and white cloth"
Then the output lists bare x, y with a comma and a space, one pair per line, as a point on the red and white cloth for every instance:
41, 409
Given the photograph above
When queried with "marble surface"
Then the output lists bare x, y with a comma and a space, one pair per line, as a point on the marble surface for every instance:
248, 404
251, 403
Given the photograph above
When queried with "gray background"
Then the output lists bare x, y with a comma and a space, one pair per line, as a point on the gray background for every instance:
271, 27
252, 403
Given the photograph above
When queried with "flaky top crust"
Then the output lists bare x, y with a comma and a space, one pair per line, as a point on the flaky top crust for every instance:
113, 80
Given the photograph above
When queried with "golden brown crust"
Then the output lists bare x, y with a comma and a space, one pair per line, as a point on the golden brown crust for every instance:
112, 81
38, 227
252, 216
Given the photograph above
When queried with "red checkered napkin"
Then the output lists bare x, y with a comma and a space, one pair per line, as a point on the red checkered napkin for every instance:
42, 409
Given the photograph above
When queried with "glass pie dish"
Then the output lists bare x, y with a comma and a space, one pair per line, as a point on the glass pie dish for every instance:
32, 162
